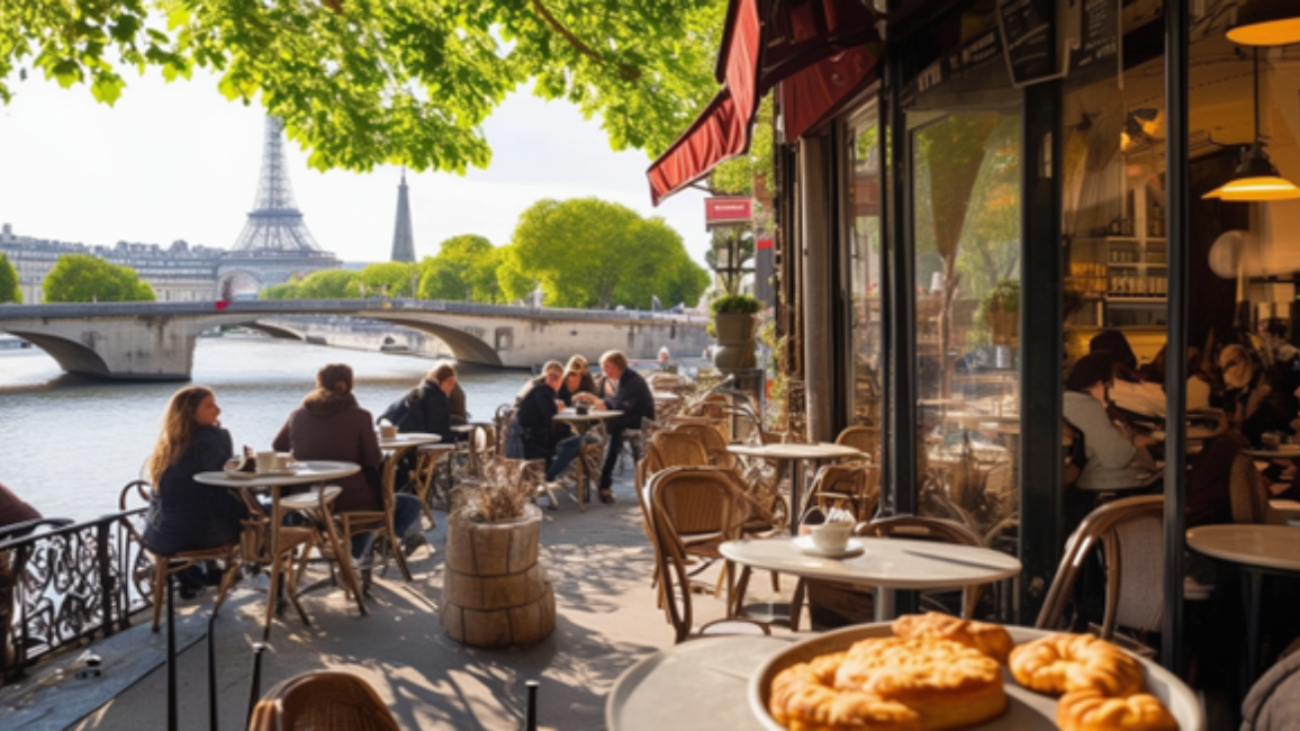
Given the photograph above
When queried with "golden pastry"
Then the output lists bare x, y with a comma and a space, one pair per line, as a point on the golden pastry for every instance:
800, 701
990, 639
1090, 710
1064, 663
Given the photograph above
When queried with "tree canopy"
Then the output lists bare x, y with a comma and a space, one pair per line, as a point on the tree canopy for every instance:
409, 82
9, 291
85, 278
465, 268
590, 253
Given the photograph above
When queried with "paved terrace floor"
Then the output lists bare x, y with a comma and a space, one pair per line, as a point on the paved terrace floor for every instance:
600, 563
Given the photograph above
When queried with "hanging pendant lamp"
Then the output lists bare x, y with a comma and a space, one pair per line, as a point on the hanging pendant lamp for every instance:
1267, 23
1256, 178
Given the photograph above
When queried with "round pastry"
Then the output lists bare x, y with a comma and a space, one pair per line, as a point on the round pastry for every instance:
1064, 663
990, 639
948, 684
801, 701
1090, 710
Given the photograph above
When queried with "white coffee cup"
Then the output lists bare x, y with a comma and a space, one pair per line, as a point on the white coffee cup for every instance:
283, 460
831, 536
265, 461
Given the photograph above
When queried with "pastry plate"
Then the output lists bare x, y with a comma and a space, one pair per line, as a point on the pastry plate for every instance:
1026, 710
853, 548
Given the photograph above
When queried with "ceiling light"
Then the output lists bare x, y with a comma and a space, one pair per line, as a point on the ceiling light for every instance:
1267, 23
1256, 178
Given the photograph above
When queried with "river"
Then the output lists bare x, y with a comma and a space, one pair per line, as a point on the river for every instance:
69, 444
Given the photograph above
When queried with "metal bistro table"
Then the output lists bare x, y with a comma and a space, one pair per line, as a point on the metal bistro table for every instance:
1258, 550
582, 423
796, 454
885, 564
300, 473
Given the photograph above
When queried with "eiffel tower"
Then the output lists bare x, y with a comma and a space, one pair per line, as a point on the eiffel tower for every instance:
403, 239
275, 244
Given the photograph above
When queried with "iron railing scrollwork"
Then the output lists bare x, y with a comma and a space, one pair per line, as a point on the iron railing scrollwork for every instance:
69, 584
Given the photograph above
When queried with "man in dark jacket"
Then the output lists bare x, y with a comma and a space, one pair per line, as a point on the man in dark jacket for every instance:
632, 396
427, 408
537, 432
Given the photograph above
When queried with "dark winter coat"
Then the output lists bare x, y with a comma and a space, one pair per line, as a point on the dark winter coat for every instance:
331, 426
634, 399
425, 409
534, 422
185, 515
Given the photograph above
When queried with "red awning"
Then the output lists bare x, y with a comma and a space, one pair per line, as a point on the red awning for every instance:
722, 130
816, 93
755, 56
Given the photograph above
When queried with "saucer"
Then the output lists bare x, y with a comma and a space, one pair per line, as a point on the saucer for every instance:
805, 545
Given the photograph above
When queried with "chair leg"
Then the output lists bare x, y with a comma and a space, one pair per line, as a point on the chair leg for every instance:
796, 605
344, 560
227, 580
399, 554
159, 589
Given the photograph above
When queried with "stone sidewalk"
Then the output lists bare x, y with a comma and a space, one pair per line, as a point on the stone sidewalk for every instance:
600, 563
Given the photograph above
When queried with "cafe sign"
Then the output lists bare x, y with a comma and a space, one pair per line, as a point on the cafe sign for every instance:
724, 211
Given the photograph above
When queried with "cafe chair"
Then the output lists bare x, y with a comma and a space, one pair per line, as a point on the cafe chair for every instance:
702, 506
1247, 491
1130, 532
316, 505
140, 491
715, 446
378, 522
855, 484
1273, 703
865, 439
323, 700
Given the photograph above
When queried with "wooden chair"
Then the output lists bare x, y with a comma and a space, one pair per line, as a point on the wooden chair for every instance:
855, 483
1247, 491
865, 439
378, 522
164, 565
316, 505
693, 511
323, 700
1130, 531
432, 465
712, 440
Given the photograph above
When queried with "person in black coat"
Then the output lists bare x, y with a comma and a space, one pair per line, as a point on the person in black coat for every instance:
631, 396
533, 419
427, 408
185, 515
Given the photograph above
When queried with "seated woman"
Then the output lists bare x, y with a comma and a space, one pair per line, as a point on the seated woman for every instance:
577, 379
331, 426
1115, 460
185, 515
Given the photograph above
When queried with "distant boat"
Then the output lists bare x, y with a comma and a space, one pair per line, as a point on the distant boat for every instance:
11, 342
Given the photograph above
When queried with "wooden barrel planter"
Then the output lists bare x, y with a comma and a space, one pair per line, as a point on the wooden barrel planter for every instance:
495, 592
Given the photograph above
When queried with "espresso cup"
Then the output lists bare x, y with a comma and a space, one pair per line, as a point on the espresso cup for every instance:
387, 431
283, 460
831, 537
582, 410
265, 461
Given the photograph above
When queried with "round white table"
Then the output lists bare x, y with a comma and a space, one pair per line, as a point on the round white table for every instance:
299, 473
701, 684
581, 424
1258, 550
886, 564
796, 454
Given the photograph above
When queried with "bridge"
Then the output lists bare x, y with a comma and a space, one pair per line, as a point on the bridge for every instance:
155, 340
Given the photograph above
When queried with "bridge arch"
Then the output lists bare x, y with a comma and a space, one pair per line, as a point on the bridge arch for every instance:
465, 347
72, 356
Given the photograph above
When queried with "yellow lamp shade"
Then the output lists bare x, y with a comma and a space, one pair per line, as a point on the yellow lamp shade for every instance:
1266, 188
1267, 23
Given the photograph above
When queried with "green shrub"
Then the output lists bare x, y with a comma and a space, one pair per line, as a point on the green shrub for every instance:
736, 304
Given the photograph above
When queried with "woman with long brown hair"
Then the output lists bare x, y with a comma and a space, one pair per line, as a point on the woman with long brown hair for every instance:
185, 515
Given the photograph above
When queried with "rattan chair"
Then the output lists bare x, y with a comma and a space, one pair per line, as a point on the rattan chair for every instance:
693, 511
316, 505
1130, 532
379, 522
855, 483
1247, 491
715, 445
323, 700
165, 565
865, 439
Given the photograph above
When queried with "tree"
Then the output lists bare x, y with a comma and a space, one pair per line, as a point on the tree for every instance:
408, 82
9, 290
329, 284
465, 268
388, 278
285, 291
85, 278
589, 253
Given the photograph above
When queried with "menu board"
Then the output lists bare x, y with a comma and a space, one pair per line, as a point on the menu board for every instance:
1098, 34
1028, 39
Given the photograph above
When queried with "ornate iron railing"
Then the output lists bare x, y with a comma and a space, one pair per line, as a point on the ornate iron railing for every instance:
69, 584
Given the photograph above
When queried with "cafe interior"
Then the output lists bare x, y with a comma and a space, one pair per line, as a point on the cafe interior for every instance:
966, 194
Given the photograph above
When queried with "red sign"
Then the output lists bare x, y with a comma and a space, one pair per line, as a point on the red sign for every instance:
727, 210
763, 244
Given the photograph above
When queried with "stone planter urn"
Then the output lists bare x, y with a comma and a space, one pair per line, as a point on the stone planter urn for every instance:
495, 592
736, 344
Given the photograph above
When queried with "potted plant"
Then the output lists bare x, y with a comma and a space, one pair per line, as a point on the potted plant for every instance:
734, 322
1000, 312
495, 592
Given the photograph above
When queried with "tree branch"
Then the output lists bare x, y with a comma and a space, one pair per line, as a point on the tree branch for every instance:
629, 73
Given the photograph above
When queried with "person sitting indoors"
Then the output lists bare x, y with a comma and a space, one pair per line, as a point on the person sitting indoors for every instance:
330, 425
629, 393
428, 408
1252, 405
185, 515
1128, 391
1274, 349
1114, 459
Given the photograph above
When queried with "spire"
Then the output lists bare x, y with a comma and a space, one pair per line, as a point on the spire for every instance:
275, 224
403, 239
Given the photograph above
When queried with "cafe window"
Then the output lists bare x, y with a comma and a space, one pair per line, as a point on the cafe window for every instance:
863, 148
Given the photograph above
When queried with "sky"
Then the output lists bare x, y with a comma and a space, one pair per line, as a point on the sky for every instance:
178, 161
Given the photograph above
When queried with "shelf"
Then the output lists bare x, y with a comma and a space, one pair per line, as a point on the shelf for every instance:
1137, 300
